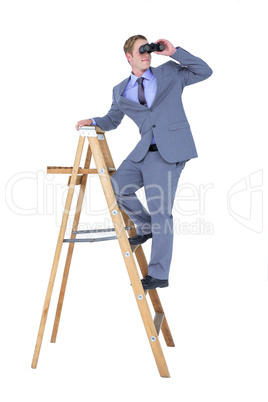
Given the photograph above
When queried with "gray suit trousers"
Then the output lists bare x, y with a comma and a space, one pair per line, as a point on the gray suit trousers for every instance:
160, 181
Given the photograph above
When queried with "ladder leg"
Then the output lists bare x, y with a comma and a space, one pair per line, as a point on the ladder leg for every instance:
71, 247
57, 252
128, 258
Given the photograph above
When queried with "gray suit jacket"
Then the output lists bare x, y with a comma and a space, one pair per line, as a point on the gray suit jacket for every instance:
165, 119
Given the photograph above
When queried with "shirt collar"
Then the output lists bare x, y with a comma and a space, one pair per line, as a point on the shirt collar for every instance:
147, 75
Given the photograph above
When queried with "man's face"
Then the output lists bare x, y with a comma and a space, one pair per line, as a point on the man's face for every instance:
139, 62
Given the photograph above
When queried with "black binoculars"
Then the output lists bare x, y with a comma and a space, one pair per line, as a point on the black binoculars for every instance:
152, 47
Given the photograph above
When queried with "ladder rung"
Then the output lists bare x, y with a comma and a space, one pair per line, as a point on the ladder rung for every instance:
158, 320
89, 240
69, 170
99, 230
134, 247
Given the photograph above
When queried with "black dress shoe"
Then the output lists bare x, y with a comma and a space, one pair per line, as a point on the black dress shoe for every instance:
148, 283
139, 239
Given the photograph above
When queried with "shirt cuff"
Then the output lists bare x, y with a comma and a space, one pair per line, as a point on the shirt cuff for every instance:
93, 122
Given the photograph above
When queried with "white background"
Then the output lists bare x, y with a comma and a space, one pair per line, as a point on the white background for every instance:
60, 60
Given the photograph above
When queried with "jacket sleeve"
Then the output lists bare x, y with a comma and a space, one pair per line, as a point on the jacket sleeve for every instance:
112, 119
192, 69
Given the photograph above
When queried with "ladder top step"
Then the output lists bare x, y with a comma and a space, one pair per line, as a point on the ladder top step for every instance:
90, 131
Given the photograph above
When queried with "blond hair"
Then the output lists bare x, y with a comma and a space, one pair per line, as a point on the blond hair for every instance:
129, 44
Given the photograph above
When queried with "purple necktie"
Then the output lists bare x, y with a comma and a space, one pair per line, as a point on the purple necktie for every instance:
141, 95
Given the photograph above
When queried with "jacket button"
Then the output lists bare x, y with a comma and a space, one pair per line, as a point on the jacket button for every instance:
154, 126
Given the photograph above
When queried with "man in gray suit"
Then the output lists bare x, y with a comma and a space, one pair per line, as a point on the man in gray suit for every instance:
151, 97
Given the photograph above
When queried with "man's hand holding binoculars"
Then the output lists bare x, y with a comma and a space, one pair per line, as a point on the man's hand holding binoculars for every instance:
169, 48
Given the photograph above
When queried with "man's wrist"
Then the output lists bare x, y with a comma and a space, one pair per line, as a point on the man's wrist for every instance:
174, 51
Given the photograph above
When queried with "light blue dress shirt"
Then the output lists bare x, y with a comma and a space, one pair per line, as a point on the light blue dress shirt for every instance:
131, 90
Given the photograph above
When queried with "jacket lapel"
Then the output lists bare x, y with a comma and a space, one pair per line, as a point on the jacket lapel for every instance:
122, 99
158, 75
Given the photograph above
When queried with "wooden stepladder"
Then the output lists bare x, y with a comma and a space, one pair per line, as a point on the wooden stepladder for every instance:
98, 148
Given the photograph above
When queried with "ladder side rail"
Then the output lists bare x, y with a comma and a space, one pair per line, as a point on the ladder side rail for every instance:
71, 247
128, 257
